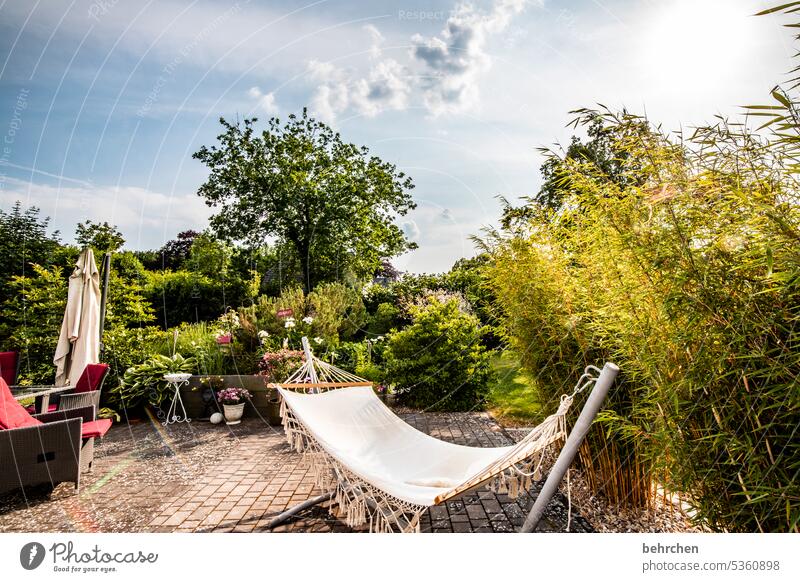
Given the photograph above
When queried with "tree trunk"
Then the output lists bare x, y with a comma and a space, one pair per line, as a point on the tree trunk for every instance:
305, 264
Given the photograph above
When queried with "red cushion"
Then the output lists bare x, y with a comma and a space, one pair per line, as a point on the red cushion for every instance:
91, 378
8, 366
12, 413
95, 428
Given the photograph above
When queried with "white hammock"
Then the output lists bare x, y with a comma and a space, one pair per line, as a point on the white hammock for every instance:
382, 471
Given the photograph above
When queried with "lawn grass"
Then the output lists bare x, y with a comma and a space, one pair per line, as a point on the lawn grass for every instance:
513, 396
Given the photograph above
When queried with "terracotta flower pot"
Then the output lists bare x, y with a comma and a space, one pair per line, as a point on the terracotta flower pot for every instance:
233, 413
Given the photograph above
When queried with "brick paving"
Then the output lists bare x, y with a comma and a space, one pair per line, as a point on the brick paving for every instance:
206, 478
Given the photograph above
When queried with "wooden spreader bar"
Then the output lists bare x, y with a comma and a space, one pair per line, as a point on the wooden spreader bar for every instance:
322, 384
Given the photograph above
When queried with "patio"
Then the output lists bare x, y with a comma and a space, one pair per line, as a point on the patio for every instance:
204, 478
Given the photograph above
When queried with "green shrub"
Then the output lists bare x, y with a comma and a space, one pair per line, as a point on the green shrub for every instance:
37, 302
263, 313
438, 362
335, 311
125, 347
338, 311
347, 355
197, 340
279, 365
145, 382
184, 296
386, 317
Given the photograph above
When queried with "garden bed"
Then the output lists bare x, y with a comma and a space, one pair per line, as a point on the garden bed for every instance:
265, 402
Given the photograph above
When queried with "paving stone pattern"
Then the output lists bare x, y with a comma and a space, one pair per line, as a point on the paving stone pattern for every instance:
203, 478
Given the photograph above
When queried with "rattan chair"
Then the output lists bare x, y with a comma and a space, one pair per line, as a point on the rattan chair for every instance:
44, 450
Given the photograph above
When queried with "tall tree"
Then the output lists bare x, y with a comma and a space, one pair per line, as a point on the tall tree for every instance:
102, 237
332, 201
23, 241
599, 151
175, 252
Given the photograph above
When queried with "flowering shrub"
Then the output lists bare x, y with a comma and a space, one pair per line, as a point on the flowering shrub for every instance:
277, 366
233, 395
229, 320
438, 362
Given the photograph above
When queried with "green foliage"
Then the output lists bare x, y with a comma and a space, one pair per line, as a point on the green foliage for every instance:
102, 237
23, 241
338, 311
145, 382
127, 304
184, 296
35, 311
172, 255
600, 151
465, 282
125, 347
277, 366
385, 318
363, 358
210, 257
263, 313
438, 362
198, 339
688, 277
331, 201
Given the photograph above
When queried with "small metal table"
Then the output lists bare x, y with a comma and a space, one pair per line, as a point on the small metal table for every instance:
176, 381
40, 393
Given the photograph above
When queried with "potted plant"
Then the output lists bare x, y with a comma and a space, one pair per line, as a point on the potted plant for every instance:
232, 399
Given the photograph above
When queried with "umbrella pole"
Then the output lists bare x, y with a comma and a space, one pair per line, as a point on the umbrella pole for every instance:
104, 295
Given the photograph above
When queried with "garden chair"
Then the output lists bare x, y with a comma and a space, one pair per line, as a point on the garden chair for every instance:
9, 367
45, 449
379, 470
86, 392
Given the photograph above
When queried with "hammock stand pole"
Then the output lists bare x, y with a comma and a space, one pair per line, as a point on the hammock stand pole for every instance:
570, 449
282, 518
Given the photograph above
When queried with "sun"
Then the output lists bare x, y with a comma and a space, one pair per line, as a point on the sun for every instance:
694, 43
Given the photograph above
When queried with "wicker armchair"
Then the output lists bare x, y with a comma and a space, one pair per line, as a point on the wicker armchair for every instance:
90, 429
45, 449
41, 455
86, 392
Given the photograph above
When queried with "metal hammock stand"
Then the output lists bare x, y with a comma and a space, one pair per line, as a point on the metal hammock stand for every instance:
361, 501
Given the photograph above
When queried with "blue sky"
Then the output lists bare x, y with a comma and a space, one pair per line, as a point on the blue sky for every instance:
103, 102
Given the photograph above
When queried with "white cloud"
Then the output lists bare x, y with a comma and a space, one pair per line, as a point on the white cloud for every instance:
145, 217
454, 60
443, 71
384, 88
266, 101
377, 40
411, 230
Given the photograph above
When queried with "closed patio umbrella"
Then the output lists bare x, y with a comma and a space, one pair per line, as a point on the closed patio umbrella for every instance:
79, 340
